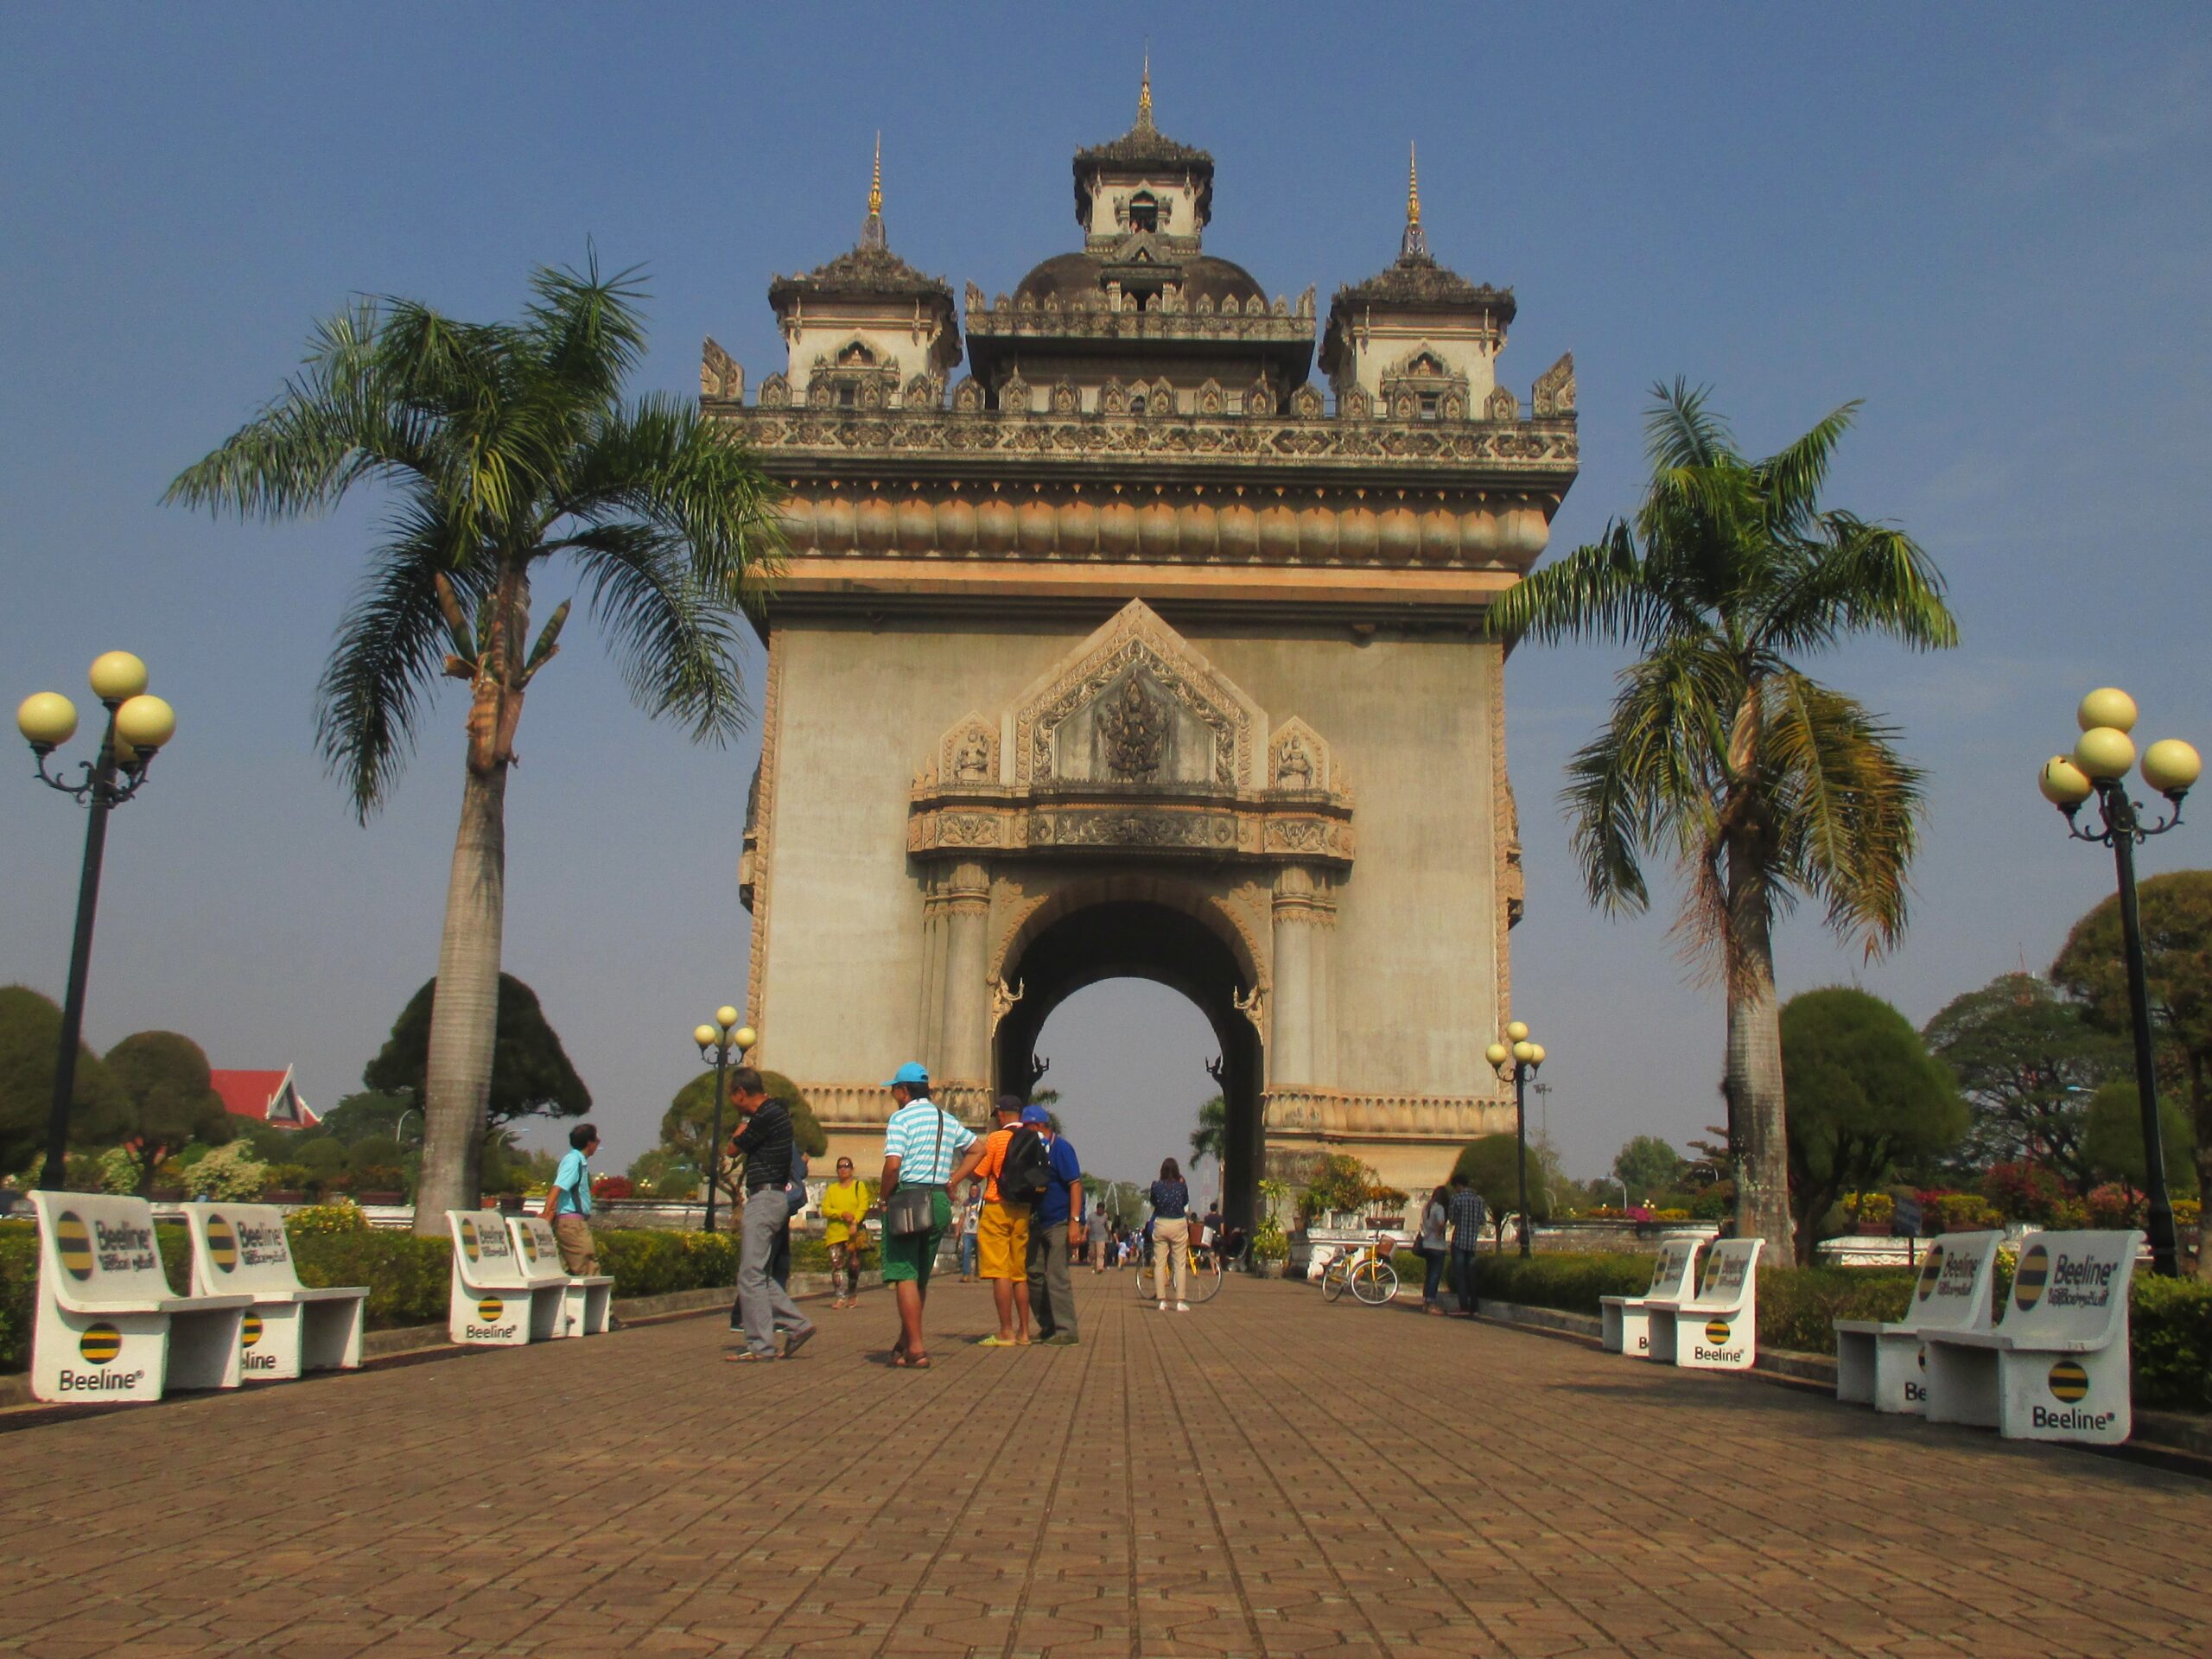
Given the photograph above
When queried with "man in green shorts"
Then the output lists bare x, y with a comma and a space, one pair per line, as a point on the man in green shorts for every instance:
926, 1147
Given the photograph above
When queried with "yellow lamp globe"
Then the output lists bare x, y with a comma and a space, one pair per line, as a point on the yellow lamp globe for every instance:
1535, 1054
1524, 1051
704, 1035
146, 723
2063, 783
1518, 1031
47, 719
2171, 766
2107, 706
117, 676
1497, 1053
747, 1037
2104, 753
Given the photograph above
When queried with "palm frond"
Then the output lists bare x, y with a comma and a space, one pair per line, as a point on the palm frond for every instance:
389, 648
1789, 482
1680, 429
589, 330
1601, 590
670, 637
1854, 577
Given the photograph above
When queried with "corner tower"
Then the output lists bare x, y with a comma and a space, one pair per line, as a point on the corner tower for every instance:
1133, 652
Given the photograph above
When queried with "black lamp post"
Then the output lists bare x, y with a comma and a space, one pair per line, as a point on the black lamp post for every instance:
2098, 766
720, 1041
137, 725
1519, 1062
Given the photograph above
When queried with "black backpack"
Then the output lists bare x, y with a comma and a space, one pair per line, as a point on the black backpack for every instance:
1026, 1170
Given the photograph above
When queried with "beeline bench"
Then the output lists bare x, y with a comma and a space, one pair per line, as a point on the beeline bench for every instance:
585, 1298
1722, 1317
1626, 1329
108, 1327
2056, 1367
495, 1303
1886, 1364
291, 1328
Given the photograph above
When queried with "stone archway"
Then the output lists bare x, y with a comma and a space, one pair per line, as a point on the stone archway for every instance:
1175, 937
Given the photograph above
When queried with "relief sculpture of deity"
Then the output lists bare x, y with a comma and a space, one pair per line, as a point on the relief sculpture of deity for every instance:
1132, 734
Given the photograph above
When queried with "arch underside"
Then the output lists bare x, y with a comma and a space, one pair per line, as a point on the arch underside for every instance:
1143, 938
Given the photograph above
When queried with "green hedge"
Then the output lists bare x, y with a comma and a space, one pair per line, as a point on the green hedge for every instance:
2169, 1321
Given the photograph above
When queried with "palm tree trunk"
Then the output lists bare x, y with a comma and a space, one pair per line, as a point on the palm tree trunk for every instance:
1757, 1129
464, 1008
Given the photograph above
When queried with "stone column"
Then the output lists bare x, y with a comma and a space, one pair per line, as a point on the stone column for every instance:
1290, 1021
1321, 927
964, 1055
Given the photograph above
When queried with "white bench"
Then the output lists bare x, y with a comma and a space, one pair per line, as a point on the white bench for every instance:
1627, 1330
585, 1298
1884, 1365
108, 1326
290, 1329
1722, 1317
2056, 1367
495, 1303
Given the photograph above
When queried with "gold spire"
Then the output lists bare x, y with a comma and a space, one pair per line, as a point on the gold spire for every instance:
1413, 186
1144, 94
872, 229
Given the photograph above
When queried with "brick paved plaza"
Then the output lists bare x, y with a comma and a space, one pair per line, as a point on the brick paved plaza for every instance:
1266, 1475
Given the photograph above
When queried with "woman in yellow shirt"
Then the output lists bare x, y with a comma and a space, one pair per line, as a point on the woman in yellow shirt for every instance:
844, 1213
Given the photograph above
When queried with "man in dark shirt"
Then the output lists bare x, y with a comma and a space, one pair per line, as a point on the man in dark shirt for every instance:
1055, 1235
1469, 1215
765, 1143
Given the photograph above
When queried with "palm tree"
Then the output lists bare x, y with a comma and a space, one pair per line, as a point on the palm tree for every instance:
1211, 1138
1766, 786
504, 445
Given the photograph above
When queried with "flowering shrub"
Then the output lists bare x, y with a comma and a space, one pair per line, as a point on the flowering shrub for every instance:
1876, 1208
2025, 1192
2188, 1212
339, 1217
611, 1186
230, 1173
117, 1172
1670, 1214
2113, 1206
1962, 1212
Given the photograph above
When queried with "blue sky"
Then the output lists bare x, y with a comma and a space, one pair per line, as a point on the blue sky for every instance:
1988, 223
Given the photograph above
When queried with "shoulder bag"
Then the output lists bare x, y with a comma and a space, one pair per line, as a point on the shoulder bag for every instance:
913, 1210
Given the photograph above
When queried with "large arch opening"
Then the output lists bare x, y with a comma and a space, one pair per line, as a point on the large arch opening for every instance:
1185, 950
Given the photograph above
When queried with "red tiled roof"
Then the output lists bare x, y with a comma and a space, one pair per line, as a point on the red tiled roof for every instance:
250, 1094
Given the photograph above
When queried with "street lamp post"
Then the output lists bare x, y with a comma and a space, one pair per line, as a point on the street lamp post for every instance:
720, 1041
1519, 1062
2098, 766
137, 726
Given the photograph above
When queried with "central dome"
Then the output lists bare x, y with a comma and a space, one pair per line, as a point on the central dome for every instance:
1074, 277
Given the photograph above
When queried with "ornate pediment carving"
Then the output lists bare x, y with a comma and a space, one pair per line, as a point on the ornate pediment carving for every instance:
1133, 742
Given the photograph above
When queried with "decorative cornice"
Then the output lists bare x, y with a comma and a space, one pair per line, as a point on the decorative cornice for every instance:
1331, 1112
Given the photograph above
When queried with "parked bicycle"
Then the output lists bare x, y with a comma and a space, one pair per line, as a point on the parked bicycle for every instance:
1202, 1274
1366, 1269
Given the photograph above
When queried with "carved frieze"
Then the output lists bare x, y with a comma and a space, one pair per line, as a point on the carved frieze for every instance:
1555, 389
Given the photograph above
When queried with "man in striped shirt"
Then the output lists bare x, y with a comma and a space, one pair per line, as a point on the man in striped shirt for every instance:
926, 1147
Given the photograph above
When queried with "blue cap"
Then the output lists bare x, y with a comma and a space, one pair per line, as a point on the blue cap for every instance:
1035, 1114
912, 1071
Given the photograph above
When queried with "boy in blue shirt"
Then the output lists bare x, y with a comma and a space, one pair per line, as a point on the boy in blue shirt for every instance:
567, 1206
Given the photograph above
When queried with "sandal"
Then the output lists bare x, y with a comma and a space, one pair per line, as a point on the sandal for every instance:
900, 1362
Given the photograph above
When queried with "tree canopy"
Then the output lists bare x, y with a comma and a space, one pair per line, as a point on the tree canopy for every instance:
2027, 1062
686, 1128
1490, 1165
1763, 786
30, 1039
530, 1073
1864, 1095
167, 1099
2113, 1139
1648, 1164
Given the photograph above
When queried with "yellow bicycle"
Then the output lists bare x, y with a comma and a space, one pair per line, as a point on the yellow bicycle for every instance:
1366, 1269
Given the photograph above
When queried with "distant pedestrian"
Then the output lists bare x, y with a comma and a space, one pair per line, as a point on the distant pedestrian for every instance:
922, 1145
1002, 1228
1469, 1215
1210, 1228
1171, 1234
568, 1205
972, 1209
1055, 1229
844, 1228
766, 1143
1434, 1247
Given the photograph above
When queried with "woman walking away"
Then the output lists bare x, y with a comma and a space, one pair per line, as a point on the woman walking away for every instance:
1171, 1233
1435, 1222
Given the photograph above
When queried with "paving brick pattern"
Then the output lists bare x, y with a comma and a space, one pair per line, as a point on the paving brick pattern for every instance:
1264, 1476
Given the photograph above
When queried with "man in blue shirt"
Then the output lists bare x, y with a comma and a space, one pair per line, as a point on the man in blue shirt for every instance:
568, 1205
1054, 1230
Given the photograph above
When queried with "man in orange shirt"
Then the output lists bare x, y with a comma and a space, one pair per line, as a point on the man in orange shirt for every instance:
1003, 1233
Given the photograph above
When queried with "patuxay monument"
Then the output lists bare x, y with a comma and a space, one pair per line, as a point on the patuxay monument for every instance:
1109, 644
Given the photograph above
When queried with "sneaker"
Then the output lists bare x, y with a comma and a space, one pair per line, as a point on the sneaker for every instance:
795, 1340
1061, 1339
1182, 1308
1163, 1307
